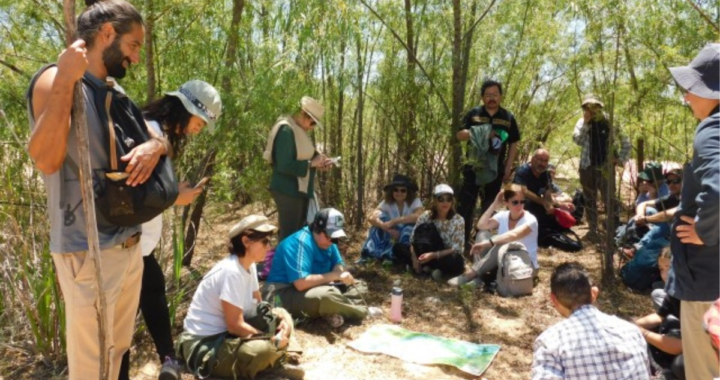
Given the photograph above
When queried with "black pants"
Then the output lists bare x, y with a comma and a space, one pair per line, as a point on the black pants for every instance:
469, 194
450, 265
154, 308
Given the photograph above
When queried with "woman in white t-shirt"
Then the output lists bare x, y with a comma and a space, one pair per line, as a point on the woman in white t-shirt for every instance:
176, 116
226, 311
513, 225
393, 220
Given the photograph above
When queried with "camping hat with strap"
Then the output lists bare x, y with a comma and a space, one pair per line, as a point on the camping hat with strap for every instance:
400, 180
252, 222
200, 99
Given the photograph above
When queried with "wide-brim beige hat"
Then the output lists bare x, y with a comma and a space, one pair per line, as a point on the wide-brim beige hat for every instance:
313, 108
252, 222
592, 99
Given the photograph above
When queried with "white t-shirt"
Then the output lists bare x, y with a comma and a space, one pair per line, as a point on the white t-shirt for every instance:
529, 241
227, 281
152, 230
391, 209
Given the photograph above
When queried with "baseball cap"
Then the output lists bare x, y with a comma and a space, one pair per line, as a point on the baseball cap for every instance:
675, 171
313, 108
702, 76
442, 189
251, 222
200, 99
331, 221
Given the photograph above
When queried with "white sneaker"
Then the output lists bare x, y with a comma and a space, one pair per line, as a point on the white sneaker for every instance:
374, 311
459, 281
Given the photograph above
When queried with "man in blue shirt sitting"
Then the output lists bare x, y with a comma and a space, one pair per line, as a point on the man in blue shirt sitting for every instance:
308, 276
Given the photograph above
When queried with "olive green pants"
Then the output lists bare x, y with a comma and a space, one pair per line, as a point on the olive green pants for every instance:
234, 357
320, 301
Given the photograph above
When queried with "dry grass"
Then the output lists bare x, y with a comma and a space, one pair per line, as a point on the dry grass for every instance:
468, 315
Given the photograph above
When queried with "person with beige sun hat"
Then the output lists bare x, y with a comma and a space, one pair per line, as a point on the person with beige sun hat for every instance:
294, 161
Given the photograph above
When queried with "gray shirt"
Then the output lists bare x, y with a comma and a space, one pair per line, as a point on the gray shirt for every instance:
64, 201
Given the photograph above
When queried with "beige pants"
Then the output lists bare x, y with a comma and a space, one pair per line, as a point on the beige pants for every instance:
701, 361
122, 275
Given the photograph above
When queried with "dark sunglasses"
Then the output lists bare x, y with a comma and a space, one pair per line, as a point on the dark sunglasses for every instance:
265, 241
313, 123
400, 190
673, 181
444, 198
516, 202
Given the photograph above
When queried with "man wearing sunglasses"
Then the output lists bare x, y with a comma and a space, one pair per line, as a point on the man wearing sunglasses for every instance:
694, 234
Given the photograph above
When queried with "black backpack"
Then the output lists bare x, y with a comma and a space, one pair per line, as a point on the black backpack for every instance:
563, 239
426, 238
119, 203
579, 203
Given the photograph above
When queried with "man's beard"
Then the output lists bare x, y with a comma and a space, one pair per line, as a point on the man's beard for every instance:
113, 58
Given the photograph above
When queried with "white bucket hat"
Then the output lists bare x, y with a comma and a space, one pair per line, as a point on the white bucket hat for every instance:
200, 99
313, 108
252, 222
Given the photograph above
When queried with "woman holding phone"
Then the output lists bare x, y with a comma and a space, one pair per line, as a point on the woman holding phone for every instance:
176, 115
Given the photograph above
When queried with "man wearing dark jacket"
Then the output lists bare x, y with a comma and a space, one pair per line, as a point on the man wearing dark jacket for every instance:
694, 239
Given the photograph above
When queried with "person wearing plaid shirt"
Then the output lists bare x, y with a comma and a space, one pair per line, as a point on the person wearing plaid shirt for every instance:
592, 133
588, 344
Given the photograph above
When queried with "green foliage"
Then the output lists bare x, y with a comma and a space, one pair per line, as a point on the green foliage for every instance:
547, 53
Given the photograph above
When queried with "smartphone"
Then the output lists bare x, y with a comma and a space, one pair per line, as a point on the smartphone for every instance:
202, 183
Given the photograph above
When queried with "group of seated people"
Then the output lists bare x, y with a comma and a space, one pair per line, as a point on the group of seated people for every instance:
234, 327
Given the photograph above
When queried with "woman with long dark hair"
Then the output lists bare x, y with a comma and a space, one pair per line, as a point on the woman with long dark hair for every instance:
443, 229
176, 115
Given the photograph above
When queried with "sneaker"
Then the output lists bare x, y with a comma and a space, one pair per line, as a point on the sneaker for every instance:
437, 275
170, 369
459, 280
335, 320
374, 311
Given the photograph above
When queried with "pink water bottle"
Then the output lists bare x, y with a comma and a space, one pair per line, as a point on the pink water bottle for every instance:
396, 305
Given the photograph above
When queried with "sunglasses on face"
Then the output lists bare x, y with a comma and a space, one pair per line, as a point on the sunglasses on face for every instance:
444, 198
516, 202
673, 181
400, 190
265, 241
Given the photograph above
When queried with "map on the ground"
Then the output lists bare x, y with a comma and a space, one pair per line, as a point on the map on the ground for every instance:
424, 348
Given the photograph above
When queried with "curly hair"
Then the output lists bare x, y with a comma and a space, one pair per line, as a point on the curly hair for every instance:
173, 118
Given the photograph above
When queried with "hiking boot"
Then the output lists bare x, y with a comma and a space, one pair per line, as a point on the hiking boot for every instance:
335, 320
437, 275
170, 369
459, 280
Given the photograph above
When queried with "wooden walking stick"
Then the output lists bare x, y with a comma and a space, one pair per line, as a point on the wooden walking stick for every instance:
79, 122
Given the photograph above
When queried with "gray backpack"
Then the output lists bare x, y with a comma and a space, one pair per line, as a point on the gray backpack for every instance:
515, 271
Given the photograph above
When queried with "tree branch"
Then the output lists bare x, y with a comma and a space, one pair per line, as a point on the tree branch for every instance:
704, 16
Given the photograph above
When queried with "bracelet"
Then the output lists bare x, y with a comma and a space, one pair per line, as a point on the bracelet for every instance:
646, 333
491, 242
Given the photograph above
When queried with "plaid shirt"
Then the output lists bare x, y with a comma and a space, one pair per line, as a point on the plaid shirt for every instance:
591, 345
582, 138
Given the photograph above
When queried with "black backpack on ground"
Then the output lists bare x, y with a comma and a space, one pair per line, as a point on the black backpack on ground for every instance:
563, 239
426, 238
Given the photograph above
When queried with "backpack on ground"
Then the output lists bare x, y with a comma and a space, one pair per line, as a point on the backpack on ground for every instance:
515, 271
563, 239
426, 238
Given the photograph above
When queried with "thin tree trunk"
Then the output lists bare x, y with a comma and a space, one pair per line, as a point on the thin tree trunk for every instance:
79, 122
359, 213
149, 51
207, 165
457, 91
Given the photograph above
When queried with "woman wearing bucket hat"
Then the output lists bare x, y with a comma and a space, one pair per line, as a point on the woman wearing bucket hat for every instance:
294, 161
393, 220
176, 115
441, 222
228, 331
